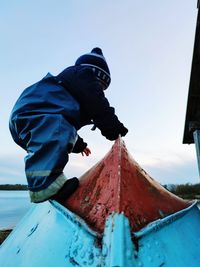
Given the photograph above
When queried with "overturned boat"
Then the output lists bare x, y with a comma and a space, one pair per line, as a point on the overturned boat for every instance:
119, 216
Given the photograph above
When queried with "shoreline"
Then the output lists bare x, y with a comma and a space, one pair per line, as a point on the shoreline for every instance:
4, 233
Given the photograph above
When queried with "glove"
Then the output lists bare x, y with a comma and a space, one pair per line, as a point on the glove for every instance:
123, 130
112, 134
79, 146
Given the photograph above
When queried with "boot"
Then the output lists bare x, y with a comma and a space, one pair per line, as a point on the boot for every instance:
67, 190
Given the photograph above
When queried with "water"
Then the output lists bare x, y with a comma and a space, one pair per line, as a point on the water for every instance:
13, 206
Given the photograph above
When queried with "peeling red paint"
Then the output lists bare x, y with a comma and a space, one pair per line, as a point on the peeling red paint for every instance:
118, 184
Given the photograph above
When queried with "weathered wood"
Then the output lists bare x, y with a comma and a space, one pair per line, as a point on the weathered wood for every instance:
192, 120
119, 184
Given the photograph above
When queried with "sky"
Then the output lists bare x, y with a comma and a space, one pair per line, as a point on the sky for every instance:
148, 46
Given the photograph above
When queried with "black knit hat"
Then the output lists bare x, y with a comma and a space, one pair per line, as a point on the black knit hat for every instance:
97, 61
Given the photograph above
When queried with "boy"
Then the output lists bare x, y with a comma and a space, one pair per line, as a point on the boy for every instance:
47, 116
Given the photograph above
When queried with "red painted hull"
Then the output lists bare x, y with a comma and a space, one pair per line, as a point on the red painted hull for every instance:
118, 184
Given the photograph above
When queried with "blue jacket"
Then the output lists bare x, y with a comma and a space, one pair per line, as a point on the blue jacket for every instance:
82, 84
47, 97
77, 95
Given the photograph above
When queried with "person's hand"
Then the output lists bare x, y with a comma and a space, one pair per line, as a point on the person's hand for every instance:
86, 152
123, 130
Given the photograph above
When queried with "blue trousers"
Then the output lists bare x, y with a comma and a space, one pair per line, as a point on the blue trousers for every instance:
47, 138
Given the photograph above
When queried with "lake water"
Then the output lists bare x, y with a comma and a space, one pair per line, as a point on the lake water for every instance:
13, 206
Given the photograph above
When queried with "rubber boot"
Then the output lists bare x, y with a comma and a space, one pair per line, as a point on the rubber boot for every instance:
67, 190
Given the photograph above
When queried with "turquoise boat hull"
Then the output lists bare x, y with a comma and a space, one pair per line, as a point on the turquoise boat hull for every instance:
50, 235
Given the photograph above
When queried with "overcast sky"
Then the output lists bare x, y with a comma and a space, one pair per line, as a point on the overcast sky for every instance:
148, 46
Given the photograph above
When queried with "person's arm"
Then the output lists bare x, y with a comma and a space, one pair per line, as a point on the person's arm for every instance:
105, 118
83, 85
94, 102
79, 146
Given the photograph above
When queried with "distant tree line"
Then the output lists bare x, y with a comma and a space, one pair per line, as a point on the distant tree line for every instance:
13, 187
183, 190
188, 190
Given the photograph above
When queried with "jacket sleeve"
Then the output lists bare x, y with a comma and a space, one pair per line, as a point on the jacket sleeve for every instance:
94, 102
83, 85
79, 146
104, 116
